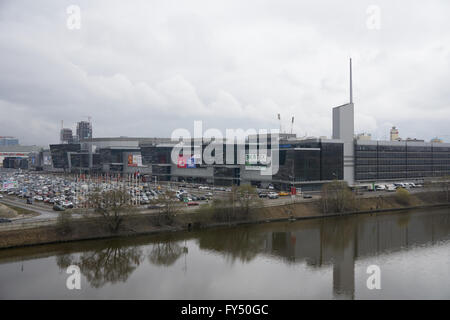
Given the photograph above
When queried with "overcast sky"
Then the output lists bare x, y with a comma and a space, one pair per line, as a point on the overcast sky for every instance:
145, 68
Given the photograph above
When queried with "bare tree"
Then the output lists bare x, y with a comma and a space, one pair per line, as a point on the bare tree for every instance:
238, 204
169, 206
247, 197
112, 205
337, 197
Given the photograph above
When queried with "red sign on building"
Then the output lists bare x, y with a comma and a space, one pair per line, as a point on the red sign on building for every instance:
182, 162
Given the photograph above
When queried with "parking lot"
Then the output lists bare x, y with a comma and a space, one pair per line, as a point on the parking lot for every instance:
48, 193
44, 192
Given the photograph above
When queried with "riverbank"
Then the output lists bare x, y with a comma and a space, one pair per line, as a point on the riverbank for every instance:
13, 212
145, 224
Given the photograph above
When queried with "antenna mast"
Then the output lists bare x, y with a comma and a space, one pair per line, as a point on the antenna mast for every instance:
351, 82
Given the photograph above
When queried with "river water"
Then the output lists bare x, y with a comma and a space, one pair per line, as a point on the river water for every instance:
309, 259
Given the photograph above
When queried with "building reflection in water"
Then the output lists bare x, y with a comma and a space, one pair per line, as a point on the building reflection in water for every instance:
336, 242
332, 241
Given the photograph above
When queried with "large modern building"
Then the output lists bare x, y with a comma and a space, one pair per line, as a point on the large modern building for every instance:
307, 163
301, 162
8, 141
17, 156
400, 160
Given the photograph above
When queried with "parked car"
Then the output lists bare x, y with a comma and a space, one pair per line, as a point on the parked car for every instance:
58, 207
273, 195
307, 196
67, 204
4, 220
192, 203
29, 201
391, 188
262, 195
283, 193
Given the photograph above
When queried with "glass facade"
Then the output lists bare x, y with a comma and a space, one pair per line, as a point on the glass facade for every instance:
155, 155
59, 154
311, 161
402, 160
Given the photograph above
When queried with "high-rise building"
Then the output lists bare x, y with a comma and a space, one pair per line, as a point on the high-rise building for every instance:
66, 135
394, 134
343, 129
84, 130
8, 141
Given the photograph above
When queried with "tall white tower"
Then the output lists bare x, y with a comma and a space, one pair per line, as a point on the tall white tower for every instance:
344, 129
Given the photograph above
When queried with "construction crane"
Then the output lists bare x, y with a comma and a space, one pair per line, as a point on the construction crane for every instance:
292, 124
279, 119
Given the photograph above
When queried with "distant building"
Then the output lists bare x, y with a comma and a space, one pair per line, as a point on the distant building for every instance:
364, 136
415, 139
394, 134
11, 156
84, 130
8, 141
66, 136
436, 140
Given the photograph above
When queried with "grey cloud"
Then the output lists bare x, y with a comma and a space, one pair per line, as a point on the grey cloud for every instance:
147, 67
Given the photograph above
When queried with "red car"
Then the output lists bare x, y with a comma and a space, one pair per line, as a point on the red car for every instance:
192, 203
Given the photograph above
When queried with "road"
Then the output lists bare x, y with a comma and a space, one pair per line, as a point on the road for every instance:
43, 213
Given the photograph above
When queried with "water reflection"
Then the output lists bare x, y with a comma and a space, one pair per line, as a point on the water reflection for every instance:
338, 242
165, 253
322, 243
111, 264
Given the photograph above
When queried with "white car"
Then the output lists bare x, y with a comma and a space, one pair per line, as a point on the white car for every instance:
67, 204
390, 188
273, 195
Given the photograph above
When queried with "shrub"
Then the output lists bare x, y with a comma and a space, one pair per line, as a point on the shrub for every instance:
336, 197
402, 196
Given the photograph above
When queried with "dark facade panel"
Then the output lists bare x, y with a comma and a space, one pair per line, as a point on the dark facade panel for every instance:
59, 154
332, 161
380, 161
